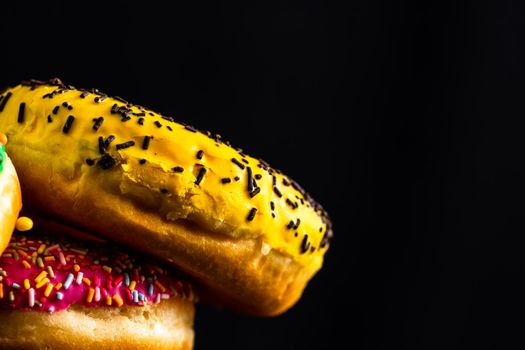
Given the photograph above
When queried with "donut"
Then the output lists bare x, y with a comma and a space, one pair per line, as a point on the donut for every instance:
56, 294
250, 236
10, 196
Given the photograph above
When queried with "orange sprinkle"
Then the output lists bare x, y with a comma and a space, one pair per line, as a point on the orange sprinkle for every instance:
118, 300
26, 264
161, 287
107, 268
58, 286
76, 267
86, 281
3, 139
21, 252
49, 258
48, 290
90, 295
108, 300
132, 285
1, 291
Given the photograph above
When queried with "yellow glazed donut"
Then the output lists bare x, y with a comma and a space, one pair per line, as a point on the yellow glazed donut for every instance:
10, 196
249, 235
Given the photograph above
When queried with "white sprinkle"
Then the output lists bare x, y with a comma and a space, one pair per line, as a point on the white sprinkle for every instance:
31, 297
157, 300
80, 274
68, 281
165, 296
97, 294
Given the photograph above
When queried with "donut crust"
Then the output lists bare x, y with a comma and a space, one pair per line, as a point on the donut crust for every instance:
167, 325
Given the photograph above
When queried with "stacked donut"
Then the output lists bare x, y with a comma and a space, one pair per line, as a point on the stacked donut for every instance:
90, 165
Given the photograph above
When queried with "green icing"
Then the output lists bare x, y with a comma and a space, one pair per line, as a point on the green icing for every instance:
2, 157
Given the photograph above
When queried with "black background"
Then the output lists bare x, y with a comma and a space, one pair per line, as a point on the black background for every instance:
403, 119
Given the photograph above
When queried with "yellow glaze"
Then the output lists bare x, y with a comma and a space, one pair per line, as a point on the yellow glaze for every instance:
222, 208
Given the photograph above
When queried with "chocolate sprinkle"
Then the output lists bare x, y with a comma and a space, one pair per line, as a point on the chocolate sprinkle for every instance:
178, 169
305, 245
251, 214
164, 190
55, 110
98, 123
4, 101
101, 145
106, 162
125, 145
158, 124
190, 128
68, 123
49, 119
90, 162
258, 176
272, 205
145, 142
108, 141
142, 161
99, 99
84, 94
239, 164
21, 112
226, 180
141, 121
255, 191
200, 154
277, 192
236, 178
200, 175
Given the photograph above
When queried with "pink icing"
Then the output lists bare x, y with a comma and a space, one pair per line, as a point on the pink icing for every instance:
102, 271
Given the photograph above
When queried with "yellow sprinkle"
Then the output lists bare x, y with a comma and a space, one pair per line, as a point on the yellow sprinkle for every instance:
76, 267
86, 281
50, 272
58, 286
49, 258
118, 300
24, 224
132, 285
21, 252
26, 264
91, 292
108, 300
48, 290
42, 283
106, 268
161, 287
41, 276
26, 284
39, 262
41, 248
1, 291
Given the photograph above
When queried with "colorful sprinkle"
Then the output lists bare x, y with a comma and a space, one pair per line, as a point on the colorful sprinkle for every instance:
68, 281
31, 297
